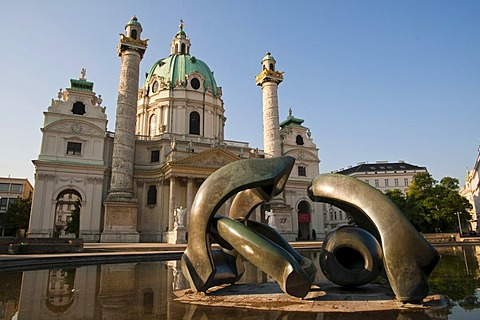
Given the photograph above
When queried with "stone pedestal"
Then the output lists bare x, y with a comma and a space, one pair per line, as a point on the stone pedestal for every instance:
177, 235
283, 218
120, 224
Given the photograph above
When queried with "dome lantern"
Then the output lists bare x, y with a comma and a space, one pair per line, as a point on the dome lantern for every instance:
180, 43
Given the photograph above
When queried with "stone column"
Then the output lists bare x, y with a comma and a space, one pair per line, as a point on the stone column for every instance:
271, 130
171, 204
120, 223
190, 196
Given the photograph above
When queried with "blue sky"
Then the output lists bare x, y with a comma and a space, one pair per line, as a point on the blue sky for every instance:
374, 80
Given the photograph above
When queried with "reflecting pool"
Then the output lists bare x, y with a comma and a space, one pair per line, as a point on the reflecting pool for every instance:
144, 290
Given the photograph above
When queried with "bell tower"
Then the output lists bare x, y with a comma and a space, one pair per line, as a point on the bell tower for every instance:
120, 223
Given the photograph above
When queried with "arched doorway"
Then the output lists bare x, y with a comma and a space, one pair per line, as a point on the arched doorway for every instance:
67, 200
304, 220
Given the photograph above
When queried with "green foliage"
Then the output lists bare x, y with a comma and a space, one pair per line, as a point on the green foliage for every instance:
431, 206
73, 226
18, 214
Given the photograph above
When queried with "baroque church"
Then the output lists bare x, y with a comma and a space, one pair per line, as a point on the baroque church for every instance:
138, 183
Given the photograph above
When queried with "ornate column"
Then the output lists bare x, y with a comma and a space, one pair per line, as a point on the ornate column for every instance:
190, 196
120, 223
171, 203
269, 79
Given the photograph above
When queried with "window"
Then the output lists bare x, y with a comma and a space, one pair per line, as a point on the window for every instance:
272, 67
195, 83
396, 182
155, 156
152, 195
78, 108
377, 183
299, 140
302, 171
74, 148
405, 182
16, 187
4, 186
367, 181
182, 48
386, 183
194, 123
3, 205
134, 34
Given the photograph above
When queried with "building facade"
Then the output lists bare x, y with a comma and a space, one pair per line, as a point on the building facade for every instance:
382, 175
10, 190
471, 191
132, 184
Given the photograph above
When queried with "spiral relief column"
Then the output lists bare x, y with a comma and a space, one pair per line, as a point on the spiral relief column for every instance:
120, 223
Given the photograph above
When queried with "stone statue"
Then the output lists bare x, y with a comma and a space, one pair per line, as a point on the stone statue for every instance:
179, 214
270, 217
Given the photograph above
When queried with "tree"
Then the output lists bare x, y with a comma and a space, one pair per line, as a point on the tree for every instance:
73, 225
431, 206
18, 215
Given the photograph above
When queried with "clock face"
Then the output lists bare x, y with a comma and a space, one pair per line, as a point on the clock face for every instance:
195, 83
155, 87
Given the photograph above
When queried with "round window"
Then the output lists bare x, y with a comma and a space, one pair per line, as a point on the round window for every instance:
155, 87
195, 83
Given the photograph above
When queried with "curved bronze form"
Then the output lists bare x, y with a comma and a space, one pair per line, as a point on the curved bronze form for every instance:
408, 257
200, 265
351, 256
267, 256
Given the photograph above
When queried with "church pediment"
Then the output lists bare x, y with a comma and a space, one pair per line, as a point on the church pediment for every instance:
302, 154
213, 158
76, 127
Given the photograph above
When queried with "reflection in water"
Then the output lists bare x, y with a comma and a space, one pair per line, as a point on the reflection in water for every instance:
144, 291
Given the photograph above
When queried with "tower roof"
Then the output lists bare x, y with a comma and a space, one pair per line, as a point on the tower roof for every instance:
133, 21
291, 120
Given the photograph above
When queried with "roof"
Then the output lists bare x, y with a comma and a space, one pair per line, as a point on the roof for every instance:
81, 85
177, 66
292, 121
383, 167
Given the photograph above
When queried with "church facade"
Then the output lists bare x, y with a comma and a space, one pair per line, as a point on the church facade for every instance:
138, 184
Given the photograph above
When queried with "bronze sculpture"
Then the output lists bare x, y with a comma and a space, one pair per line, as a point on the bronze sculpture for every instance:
255, 181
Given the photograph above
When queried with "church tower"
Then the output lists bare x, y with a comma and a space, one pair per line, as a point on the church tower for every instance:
120, 223
269, 79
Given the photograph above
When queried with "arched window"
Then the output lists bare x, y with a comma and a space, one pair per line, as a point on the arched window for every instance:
272, 68
152, 195
151, 127
66, 202
78, 108
134, 34
299, 140
182, 46
194, 123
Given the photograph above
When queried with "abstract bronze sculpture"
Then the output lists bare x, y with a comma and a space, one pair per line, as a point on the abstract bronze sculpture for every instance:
255, 181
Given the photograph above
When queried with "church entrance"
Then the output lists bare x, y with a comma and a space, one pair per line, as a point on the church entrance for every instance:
67, 214
304, 219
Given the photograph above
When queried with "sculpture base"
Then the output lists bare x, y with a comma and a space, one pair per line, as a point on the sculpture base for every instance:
325, 297
120, 223
177, 235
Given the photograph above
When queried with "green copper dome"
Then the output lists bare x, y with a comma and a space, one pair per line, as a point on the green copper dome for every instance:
177, 66
134, 22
